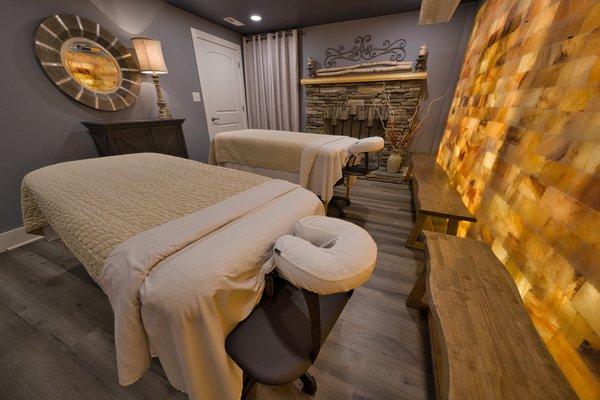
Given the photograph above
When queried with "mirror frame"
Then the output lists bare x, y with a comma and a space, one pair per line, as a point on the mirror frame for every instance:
50, 36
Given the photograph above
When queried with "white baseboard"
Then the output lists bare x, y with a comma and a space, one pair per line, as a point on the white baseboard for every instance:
16, 238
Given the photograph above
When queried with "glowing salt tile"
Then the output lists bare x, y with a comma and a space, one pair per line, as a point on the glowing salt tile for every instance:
550, 98
557, 204
545, 325
553, 230
554, 147
489, 159
587, 302
560, 272
577, 331
526, 62
595, 72
577, 71
588, 223
456, 151
587, 157
536, 248
573, 367
576, 98
513, 115
592, 20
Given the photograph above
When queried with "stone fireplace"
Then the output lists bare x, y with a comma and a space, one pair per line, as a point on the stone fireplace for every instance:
355, 105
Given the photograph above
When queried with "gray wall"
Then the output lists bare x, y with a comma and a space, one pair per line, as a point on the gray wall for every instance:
447, 43
41, 126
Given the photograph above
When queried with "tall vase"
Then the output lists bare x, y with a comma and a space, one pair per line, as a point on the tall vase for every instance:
394, 162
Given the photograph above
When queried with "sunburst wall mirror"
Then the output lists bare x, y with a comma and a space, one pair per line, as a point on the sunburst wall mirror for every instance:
87, 62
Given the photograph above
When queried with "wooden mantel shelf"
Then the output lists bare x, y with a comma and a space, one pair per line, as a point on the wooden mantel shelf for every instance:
372, 77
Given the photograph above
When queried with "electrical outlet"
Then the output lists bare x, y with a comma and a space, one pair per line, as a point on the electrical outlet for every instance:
196, 97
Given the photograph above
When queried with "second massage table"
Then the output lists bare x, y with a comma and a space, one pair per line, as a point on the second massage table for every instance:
314, 161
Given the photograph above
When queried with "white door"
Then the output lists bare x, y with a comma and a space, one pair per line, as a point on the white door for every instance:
222, 82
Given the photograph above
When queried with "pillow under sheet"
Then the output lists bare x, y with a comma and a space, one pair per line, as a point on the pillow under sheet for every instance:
326, 255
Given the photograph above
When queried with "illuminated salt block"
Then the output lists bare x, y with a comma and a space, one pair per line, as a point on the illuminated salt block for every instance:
489, 159
560, 272
588, 225
560, 206
545, 325
595, 72
553, 230
586, 157
576, 72
575, 99
587, 302
526, 63
573, 367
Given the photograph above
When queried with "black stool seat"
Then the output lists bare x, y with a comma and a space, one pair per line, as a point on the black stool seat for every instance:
274, 344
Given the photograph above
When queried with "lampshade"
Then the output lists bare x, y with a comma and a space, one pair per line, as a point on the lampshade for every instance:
149, 54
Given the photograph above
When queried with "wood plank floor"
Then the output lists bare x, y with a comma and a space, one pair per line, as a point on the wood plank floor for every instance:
56, 339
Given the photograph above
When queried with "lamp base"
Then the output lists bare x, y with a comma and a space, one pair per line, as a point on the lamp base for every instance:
163, 111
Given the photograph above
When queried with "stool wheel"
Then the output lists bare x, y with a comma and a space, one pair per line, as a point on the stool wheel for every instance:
309, 384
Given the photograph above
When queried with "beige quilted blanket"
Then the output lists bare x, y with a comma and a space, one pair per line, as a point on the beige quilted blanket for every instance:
178, 289
258, 148
96, 204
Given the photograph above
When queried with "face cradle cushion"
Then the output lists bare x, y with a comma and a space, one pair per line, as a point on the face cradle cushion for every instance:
326, 255
367, 145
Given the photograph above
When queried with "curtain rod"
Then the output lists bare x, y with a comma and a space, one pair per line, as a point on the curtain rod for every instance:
263, 36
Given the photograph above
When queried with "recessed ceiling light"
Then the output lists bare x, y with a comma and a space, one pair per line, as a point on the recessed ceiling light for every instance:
255, 18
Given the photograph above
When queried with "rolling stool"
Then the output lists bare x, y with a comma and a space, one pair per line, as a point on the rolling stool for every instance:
316, 273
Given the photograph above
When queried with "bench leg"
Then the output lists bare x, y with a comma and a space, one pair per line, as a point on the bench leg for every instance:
416, 295
309, 384
407, 178
452, 226
414, 234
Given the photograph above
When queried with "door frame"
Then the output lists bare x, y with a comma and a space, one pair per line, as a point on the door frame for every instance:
198, 34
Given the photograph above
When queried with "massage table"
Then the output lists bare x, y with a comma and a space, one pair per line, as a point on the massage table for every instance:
180, 248
314, 161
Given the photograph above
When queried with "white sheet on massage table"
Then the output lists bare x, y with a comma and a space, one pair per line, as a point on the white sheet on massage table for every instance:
323, 173
192, 280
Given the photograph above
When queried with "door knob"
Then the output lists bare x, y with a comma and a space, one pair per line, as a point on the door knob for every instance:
214, 119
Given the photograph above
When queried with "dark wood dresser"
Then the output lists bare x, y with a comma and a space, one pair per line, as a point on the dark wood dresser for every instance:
150, 135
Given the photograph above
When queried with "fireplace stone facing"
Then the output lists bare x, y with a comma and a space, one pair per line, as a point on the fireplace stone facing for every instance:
329, 104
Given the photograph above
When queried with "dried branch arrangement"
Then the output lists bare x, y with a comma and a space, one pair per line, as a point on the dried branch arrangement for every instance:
401, 138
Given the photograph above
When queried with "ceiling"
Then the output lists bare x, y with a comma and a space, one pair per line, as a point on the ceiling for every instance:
283, 14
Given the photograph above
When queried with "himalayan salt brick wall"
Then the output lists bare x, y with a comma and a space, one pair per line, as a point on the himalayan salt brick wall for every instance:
522, 146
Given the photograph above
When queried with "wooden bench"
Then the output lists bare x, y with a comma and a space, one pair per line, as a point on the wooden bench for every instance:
434, 197
483, 342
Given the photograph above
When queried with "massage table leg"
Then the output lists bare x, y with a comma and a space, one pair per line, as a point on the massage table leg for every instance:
350, 180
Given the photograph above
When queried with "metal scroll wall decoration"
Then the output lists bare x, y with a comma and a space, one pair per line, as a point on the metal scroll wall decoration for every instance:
363, 49
87, 62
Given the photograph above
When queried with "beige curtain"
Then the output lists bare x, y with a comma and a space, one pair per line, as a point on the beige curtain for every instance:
271, 72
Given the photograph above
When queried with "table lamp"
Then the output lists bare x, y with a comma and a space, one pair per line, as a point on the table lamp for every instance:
151, 61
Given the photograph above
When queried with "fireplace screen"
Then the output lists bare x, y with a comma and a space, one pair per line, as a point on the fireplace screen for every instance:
355, 121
